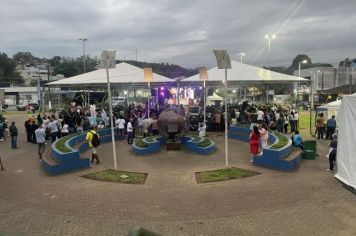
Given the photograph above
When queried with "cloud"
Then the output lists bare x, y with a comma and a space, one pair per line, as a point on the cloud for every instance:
182, 32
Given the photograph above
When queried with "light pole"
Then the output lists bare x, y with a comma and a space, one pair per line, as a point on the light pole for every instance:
299, 65
108, 62
148, 77
241, 55
203, 75
223, 61
269, 38
83, 39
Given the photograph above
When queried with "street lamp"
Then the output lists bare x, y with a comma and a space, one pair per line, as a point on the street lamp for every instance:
223, 61
203, 75
301, 62
269, 38
108, 61
298, 84
83, 39
147, 72
241, 55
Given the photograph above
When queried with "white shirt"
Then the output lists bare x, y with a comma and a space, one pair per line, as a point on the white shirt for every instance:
129, 127
65, 128
53, 126
140, 121
120, 123
260, 115
202, 131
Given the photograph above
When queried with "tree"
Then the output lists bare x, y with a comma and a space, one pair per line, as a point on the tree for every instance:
24, 58
345, 63
8, 70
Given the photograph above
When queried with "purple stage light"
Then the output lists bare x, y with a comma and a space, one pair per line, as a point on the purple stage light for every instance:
162, 88
162, 94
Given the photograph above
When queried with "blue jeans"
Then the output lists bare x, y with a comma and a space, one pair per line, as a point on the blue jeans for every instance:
53, 136
320, 132
129, 137
14, 142
1, 133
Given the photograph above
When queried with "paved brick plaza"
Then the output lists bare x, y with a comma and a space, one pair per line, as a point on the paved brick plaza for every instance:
308, 201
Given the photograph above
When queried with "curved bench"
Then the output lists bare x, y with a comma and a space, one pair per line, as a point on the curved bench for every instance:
188, 142
58, 162
284, 158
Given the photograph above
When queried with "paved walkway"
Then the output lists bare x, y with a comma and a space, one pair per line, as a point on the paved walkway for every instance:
309, 201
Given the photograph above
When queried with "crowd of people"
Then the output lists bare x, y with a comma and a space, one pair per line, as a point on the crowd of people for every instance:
134, 120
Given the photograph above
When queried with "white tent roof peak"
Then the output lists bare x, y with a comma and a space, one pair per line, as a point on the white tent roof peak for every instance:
248, 73
123, 73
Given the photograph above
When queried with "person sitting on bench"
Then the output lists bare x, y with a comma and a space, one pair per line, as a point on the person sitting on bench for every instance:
297, 140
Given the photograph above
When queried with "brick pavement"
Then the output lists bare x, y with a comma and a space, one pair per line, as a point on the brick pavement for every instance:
308, 201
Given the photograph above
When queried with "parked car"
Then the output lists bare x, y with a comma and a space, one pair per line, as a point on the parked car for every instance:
24, 106
5, 106
305, 105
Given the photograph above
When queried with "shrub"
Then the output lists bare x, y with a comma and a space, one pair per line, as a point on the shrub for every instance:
150, 139
60, 144
205, 143
283, 140
139, 143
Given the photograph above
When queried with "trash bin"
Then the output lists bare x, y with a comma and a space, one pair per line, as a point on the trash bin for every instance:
309, 149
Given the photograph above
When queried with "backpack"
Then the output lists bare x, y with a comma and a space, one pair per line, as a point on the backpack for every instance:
95, 141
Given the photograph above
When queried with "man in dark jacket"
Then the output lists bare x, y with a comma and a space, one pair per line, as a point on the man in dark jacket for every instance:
13, 134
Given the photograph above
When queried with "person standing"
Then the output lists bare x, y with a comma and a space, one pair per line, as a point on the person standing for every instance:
332, 153
129, 132
54, 129
320, 126
28, 132
140, 124
92, 144
40, 134
286, 122
146, 127
120, 124
217, 121
65, 129
13, 134
154, 126
254, 142
2, 128
264, 136
330, 128
280, 123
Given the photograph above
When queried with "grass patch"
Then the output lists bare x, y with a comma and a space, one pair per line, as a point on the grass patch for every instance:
205, 143
139, 143
123, 177
60, 144
150, 139
283, 140
223, 175
195, 138
304, 124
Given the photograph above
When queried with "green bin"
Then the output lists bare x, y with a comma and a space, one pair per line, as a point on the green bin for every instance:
309, 149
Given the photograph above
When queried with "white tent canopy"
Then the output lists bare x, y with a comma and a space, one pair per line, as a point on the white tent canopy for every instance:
346, 158
243, 73
123, 74
332, 109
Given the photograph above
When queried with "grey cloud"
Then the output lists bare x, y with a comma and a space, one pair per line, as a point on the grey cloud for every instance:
182, 32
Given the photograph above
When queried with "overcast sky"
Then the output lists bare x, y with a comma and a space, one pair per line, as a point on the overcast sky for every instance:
183, 32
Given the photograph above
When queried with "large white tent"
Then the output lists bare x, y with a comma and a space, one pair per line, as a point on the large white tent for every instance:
346, 158
243, 73
332, 109
122, 75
